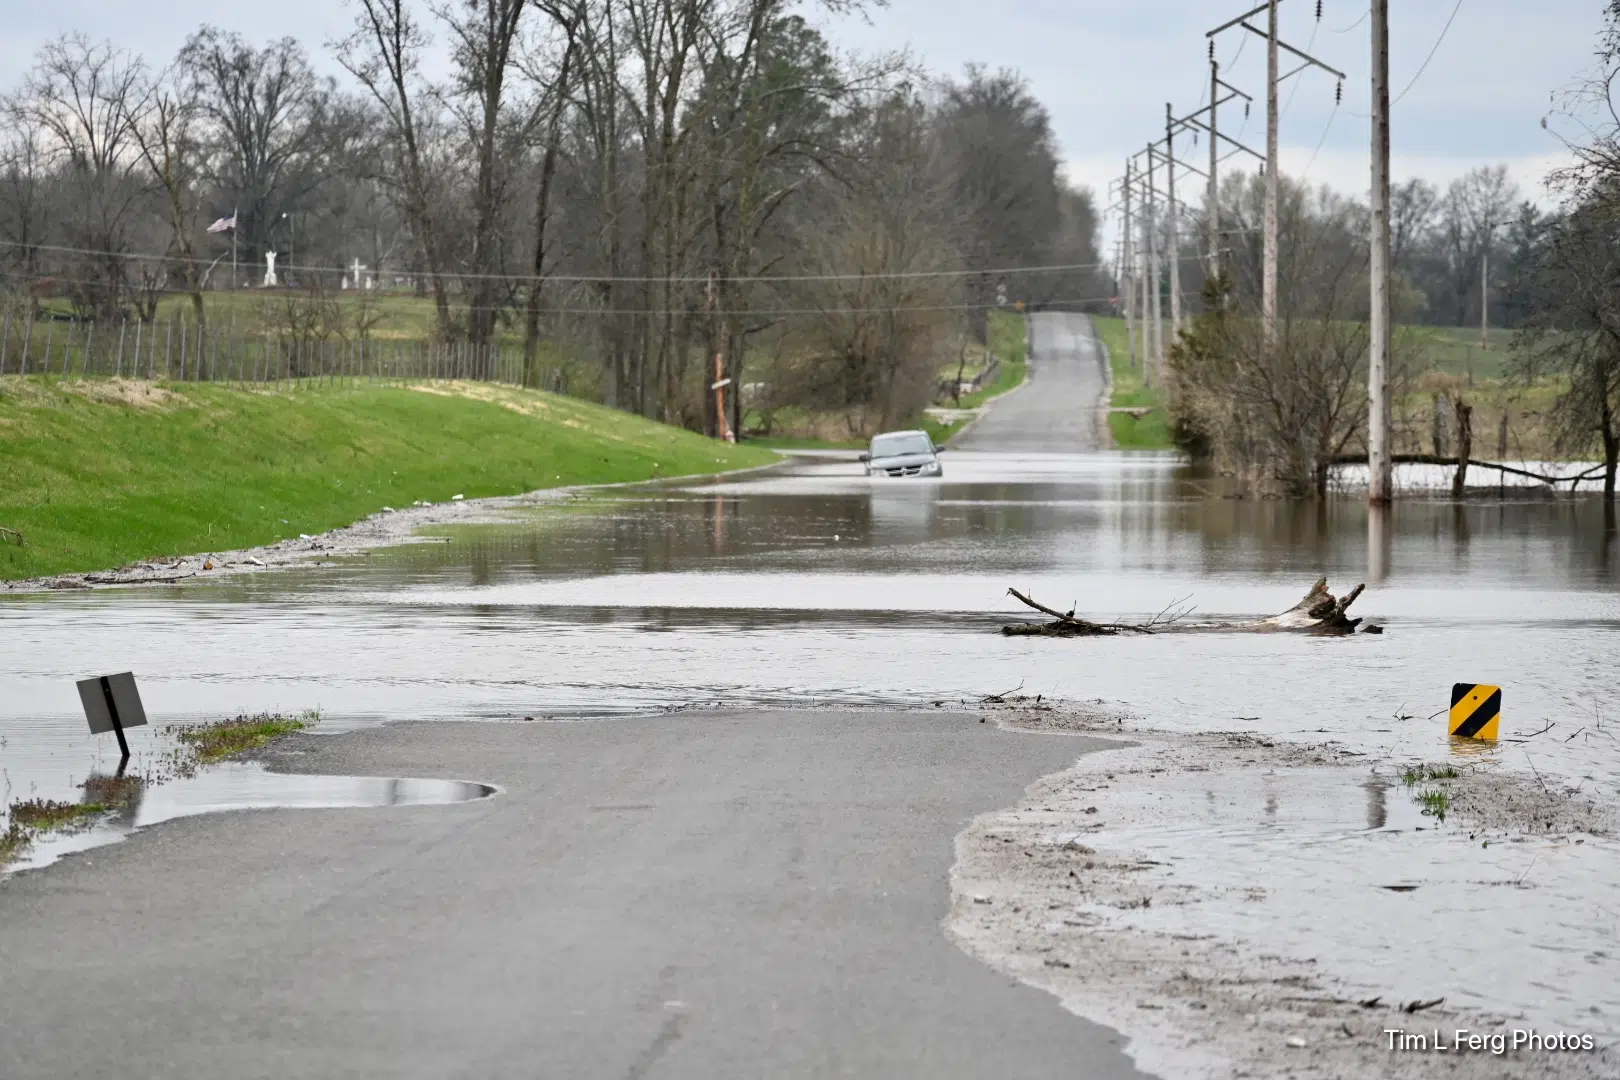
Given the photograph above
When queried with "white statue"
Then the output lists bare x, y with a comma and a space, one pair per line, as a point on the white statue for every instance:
269, 269
356, 269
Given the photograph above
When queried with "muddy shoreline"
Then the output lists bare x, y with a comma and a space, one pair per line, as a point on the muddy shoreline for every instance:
388, 527
1043, 892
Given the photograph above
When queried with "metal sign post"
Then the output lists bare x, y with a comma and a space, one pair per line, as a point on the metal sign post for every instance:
112, 703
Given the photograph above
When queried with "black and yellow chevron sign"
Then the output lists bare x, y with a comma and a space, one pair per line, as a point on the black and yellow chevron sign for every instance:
1476, 710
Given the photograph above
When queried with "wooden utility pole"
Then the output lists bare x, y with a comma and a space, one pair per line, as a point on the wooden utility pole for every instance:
1212, 214
1155, 312
1146, 309
1485, 292
1268, 290
1172, 225
1380, 470
1128, 268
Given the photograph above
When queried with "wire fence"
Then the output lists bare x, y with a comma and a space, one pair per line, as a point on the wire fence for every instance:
183, 351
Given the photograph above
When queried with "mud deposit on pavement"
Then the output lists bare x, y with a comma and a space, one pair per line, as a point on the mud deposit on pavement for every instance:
1244, 906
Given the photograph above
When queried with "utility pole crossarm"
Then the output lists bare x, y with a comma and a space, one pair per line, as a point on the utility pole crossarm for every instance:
1206, 108
1307, 57
1246, 15
1224, 137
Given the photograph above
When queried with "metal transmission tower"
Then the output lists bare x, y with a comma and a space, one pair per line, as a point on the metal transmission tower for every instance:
1274, 79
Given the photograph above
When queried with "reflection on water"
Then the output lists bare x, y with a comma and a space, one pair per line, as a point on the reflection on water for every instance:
249, 786
821, 585
1419, 908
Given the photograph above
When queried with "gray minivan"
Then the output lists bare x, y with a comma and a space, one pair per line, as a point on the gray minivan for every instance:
902, 453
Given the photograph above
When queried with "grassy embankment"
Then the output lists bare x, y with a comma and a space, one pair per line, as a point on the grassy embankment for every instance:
1441, 359
1007, 333
1150, 431
100, 473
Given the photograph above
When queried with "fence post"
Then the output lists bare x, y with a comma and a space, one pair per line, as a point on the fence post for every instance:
5, 341
118, 369
28, 340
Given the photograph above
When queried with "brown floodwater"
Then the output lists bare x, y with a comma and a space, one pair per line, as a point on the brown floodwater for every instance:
817, 585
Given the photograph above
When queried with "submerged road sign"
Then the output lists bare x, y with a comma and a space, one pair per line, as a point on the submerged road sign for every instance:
1476, 710
111, 703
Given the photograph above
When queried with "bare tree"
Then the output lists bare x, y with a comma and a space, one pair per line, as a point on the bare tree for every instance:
266, 127
80, 96
163, 128
384, 53
566, 19
1573, 337
484, 36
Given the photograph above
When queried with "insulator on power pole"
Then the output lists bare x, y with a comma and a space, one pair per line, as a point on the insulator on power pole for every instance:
1338, 93
1245, 110
1318, 10
1212, 48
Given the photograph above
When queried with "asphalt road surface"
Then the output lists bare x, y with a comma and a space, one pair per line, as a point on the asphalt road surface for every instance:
1059, 409
753, 894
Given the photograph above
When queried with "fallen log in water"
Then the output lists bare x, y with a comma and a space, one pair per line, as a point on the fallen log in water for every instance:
1320, 612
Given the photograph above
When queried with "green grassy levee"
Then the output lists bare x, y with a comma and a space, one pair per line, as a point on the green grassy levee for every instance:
1149, 432
98, 474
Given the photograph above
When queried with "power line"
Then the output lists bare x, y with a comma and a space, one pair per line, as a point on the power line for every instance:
594, 279
1323, 140
1444, 31
379, 297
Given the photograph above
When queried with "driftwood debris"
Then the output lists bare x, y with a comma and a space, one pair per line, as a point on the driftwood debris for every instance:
1319, 612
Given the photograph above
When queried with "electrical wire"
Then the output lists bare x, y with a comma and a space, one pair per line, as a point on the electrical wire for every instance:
599, 279
1293, 91
1425, 66
1322, 141
1364, 17
380, 297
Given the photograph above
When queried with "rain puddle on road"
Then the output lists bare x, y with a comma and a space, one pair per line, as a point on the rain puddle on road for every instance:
247, 786
816, 586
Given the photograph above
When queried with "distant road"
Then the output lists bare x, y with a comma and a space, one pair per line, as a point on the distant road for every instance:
1059, 408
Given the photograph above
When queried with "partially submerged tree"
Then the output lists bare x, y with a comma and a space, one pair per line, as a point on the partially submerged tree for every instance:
1573, 336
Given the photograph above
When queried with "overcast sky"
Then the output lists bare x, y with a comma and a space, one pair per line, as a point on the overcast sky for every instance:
1106, 68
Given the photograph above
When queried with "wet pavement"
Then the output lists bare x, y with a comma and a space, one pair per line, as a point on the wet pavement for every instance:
689, 896
1061, 408
817, 586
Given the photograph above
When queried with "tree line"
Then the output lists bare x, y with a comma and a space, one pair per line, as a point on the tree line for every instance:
678, 192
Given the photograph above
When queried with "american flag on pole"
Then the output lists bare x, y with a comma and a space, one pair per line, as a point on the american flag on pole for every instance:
224, 224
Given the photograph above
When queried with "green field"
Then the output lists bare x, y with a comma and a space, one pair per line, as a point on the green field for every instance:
99, 473
1130, 432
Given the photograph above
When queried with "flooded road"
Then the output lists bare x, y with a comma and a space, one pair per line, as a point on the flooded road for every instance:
815, 585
